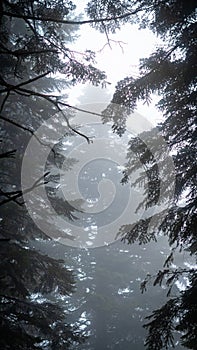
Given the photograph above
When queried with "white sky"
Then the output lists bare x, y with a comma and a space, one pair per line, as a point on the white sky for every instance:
118, 62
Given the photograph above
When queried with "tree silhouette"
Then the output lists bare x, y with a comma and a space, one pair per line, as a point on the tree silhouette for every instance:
170, 71
34, 48
33, 51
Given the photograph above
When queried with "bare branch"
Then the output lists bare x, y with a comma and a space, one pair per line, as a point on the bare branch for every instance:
56, 104
9, 154
10, 87
58, 20
50, 98
25, 129
4, 101
24, 52
9, 195
12, 196
88, 139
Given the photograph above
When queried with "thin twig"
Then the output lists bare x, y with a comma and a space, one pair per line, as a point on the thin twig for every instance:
107, 36
119, 42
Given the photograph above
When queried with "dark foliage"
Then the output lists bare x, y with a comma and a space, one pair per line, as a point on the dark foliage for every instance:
32, 50
170, 71
34, 46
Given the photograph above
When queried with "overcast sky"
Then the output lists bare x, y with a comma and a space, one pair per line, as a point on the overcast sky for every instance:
118, 61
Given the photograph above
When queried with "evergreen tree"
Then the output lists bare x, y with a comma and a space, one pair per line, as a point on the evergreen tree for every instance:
33, 52
170, 72
34, 46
